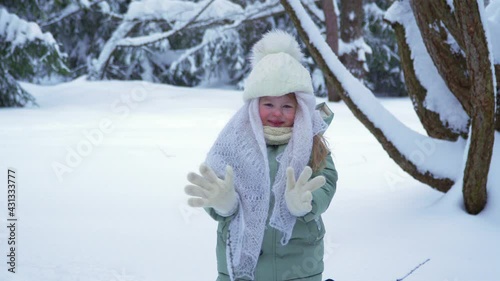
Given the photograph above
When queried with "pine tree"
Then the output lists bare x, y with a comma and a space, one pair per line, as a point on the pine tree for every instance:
385, 75
208, 41
82, 27
25, 52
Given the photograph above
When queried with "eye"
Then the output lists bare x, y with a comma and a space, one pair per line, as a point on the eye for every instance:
267, 104
287, 106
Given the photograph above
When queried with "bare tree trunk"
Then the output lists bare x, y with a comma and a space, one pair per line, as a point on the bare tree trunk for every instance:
449, 62
482, 102
332, 39
332, 27
430, 120
351, 29
441, 184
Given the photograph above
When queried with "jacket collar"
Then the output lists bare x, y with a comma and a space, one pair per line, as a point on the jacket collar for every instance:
325, 112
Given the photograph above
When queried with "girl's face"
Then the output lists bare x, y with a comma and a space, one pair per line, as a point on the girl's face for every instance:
278, 111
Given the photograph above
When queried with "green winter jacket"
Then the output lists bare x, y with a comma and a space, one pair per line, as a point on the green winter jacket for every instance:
302, 258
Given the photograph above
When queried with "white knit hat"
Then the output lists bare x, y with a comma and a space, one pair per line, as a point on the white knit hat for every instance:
276, 66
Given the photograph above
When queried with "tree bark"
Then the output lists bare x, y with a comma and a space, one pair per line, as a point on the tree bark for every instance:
447, 16
497, 112
482, 102
441, 184
430, 120
450, 63
332, 39
351, 29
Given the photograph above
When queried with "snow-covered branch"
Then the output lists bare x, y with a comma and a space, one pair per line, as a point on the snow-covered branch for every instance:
99, 65
311, 7
145, 40
74, 8
219, 14
210, 36
18, 32
438, 98
180, 16
403, 144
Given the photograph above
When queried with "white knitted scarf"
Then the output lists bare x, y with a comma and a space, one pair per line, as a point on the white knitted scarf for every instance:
241, 145
277, 135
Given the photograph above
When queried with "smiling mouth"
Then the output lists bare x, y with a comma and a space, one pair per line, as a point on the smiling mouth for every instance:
276, 123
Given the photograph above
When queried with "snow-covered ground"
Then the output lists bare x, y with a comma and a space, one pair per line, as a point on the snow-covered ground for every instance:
101, 166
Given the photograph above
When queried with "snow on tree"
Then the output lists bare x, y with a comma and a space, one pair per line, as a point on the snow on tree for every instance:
368, 45
457, 109
331, 12
198, 39
187, 43
161, 41
78, 26
25, 52
385, 74
352, 46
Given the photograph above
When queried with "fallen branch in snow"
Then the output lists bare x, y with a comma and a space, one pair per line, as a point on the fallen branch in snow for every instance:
409, 273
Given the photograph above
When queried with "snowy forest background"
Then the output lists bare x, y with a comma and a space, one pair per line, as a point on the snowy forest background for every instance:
447, 51
184, 43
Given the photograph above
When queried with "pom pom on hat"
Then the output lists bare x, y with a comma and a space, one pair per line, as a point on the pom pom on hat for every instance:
274, 42
276, 67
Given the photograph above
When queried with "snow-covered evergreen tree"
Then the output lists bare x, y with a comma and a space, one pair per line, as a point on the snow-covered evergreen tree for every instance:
385, 75
25, 53
185, 42
82, 27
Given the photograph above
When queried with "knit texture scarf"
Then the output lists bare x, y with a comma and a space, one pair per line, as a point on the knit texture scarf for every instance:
241, 144
277, 135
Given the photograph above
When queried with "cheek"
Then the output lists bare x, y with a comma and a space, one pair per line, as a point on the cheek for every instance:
290, 116
263, 112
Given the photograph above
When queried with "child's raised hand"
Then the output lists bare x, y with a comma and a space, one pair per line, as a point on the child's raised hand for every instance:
298, 194
210, 191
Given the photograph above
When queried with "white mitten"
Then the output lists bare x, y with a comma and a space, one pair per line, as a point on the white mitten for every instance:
298, 194
210, 191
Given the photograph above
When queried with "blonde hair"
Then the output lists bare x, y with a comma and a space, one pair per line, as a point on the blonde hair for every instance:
319, 153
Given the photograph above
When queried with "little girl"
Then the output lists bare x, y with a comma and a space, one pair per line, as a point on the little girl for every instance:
269, 175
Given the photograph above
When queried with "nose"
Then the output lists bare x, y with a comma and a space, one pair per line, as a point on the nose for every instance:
277, 112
